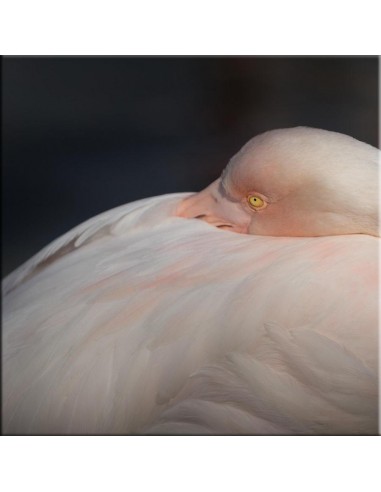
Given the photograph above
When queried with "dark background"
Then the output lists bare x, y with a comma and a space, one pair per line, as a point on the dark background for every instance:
83, 135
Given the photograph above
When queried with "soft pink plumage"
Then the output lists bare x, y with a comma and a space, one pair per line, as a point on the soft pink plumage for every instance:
139, 321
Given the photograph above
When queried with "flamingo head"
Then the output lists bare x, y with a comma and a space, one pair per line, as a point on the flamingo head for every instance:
294, 182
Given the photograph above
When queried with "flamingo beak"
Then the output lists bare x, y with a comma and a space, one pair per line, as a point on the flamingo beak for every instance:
210, 206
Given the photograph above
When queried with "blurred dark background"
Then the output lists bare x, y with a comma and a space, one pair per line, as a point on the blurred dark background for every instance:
81, 135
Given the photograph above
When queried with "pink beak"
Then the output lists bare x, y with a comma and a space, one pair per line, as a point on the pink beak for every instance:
212, 207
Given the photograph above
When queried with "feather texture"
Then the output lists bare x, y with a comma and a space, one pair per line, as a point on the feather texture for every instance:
138, 321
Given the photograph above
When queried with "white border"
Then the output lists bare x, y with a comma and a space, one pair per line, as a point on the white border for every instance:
200, 27
190, 463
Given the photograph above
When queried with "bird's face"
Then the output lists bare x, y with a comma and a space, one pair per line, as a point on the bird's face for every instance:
254, 195
283, 183
214, 206
247, 211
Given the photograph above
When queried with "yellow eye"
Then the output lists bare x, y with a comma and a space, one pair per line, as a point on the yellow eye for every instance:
255, 201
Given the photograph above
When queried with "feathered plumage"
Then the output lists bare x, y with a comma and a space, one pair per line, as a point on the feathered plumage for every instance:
141, 322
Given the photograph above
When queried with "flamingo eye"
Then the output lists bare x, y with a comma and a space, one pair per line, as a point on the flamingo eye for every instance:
255, 202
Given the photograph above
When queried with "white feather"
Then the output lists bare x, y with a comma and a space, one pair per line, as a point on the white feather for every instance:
141, 322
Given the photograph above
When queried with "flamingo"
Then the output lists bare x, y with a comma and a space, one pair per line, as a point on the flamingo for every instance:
250, 307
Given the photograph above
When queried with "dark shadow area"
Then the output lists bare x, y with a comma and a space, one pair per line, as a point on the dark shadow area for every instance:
83, 135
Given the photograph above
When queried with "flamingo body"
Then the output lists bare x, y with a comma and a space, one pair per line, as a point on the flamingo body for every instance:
141, 322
